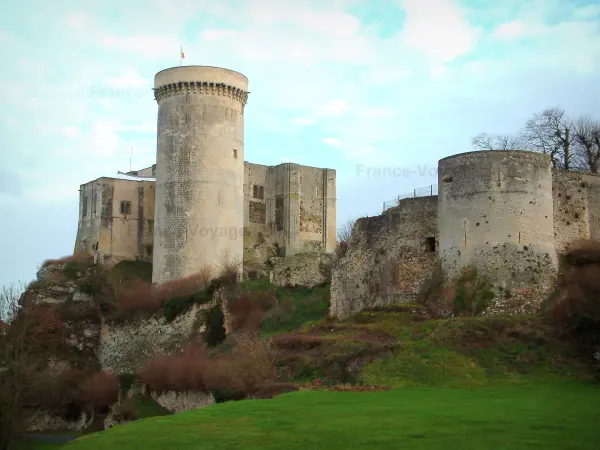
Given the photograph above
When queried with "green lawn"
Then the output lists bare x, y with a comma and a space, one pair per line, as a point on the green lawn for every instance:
559, 416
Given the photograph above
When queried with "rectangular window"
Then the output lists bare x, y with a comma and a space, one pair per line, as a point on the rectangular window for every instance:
235, 154
94, 201
84, 206
430, 244
125, 207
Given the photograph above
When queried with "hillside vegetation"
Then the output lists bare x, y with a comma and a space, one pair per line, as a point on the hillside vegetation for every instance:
460, 382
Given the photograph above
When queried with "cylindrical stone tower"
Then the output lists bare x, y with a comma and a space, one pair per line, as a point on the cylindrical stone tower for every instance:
495, 213
199, 170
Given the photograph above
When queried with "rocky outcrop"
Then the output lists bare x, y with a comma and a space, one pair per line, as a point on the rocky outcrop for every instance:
183, 401
301, 270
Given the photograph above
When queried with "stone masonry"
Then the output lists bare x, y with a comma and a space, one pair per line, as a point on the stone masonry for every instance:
506, 213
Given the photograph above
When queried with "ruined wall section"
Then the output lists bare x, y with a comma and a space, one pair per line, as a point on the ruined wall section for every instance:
495, 213
388, 259
317, 219
576, 207
199, 170
258, 214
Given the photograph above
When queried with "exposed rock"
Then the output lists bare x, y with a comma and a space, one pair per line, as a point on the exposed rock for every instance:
43, 420
301, 270
183, 401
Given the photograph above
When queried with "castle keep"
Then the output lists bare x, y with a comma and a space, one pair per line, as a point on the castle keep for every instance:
507, 214
201, 203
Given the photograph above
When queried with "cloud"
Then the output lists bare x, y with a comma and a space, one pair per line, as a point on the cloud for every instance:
332, 141
438, 29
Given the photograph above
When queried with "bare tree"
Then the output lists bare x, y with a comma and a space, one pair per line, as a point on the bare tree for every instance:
28, 333
484, 141
344, 233
551, 132
587, 143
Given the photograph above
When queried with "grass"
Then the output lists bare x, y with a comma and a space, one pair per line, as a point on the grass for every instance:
561, 416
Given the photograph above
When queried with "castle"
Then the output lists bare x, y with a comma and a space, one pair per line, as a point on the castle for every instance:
201, 203
508, 214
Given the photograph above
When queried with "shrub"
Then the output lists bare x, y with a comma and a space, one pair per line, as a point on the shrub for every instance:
80, 257
215, 326
575, 310
472, 293
246, 310
137, 296
99, 390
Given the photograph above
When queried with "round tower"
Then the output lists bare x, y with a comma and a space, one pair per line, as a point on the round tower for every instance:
495, 214
199, 170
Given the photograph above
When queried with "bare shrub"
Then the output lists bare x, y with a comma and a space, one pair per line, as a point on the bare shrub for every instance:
250, 366
229, 268
185, 286
80, 257
137, 296
99, 390
344, 233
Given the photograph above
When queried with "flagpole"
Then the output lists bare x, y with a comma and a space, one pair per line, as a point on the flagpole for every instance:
180, 52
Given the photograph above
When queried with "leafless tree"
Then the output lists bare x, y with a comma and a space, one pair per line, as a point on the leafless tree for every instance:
587, 143
485, 141
551, 132
344, 233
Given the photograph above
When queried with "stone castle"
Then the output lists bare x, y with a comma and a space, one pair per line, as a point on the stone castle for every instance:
202, 204
508, 214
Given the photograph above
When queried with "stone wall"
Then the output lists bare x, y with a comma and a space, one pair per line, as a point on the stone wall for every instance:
388, 258
576, 199
495, 213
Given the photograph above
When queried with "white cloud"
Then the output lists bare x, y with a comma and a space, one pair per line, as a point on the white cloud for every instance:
77, 21
510, 30
334, 108
332, 141
145, 45
438, 29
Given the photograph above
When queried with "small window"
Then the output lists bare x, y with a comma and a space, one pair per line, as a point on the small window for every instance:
430, 244
255, 191
235, 154
84, 206
125, 207
94, 201
261, 192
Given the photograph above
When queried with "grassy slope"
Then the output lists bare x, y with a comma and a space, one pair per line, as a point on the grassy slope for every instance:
563, 416
532, 391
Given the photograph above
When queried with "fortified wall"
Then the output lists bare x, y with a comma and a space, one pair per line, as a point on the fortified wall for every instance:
506, 213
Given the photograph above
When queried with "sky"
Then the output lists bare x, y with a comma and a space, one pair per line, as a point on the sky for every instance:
378, 90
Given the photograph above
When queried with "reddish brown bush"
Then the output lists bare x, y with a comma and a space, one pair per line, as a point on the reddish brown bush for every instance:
185, 286
576, 308
137, 295
297, 341
99, 390
246, 310
250, 367
77, 257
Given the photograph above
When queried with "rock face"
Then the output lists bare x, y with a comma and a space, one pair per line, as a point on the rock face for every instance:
125, 347
183, 401
301, 270
42, 420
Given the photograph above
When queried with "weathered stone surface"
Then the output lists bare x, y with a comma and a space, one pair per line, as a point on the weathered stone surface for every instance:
301, 270
388, 258
183, 401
